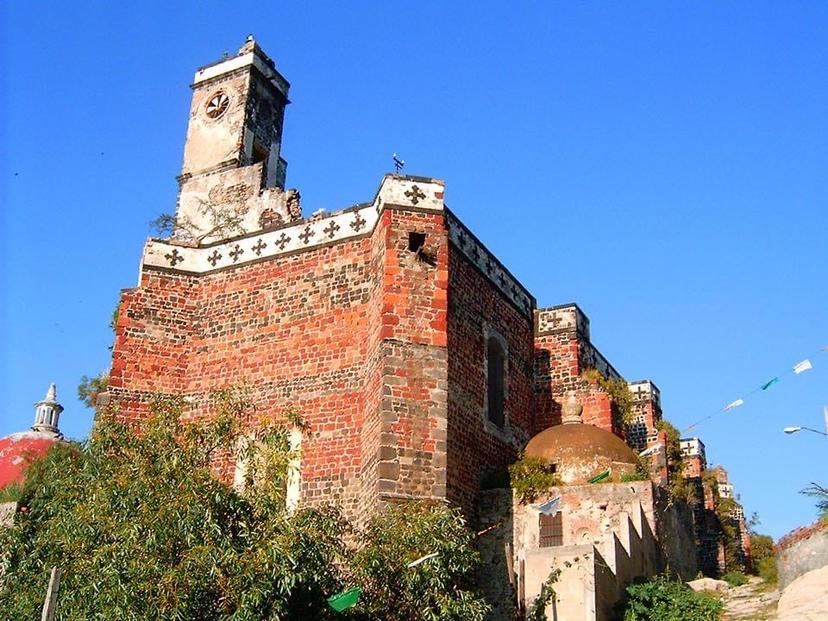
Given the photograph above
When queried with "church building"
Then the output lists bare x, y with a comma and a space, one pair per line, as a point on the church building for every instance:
420, 362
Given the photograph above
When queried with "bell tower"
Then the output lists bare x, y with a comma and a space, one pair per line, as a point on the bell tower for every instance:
236, 116
233, 170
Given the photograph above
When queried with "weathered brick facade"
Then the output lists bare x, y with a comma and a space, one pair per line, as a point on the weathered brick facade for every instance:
382, 323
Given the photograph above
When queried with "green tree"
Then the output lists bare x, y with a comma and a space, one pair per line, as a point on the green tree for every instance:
90, 387
435, 588
144, 530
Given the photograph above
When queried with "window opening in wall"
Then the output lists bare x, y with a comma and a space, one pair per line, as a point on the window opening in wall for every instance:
550, 530
259, 153
496, 362
416, 241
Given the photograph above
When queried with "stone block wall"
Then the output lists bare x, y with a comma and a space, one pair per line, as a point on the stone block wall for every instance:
642, 433
801, 551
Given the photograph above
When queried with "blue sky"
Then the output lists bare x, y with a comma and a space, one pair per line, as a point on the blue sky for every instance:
661, 164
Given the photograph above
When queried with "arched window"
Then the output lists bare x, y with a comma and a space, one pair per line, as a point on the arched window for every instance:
496, 378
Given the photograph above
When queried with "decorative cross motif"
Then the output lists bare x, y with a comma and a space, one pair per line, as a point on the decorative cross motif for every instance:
173, 257
461, 240
214, 258
282, 241
489, 265
476, 253
415, 194
236, 252
307, 234
358, 222
260, 245
331, 229
502, 279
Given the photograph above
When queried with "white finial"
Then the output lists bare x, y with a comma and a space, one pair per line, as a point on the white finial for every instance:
250, 38
51, 394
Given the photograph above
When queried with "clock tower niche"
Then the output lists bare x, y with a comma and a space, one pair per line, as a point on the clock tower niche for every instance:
233, 177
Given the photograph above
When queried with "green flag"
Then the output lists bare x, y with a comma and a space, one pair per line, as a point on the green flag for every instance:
767, 385
346, 599
601, 476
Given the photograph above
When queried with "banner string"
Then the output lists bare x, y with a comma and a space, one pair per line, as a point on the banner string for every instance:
798, 368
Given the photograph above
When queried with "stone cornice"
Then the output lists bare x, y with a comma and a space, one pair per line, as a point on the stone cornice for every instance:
395, 192
404, 192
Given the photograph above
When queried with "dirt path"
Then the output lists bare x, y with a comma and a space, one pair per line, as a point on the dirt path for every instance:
751, 602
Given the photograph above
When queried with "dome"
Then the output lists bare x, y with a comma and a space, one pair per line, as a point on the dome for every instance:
18, 450
579, 452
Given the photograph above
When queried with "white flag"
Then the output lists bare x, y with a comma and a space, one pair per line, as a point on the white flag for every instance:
650, 451
549, 507
803, 366
735, 404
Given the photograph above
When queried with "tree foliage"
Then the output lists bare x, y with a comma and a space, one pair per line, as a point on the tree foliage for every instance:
820, 492
437, 588
90, 387
144, 530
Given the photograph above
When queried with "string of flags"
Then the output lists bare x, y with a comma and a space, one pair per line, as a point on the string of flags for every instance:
797, 369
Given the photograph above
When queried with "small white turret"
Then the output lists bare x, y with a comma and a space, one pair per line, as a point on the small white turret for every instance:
47, 413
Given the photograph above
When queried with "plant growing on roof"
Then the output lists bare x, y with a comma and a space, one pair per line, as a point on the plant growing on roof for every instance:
532, 476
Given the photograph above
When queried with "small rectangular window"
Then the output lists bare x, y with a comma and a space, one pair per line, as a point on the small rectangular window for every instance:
416, 241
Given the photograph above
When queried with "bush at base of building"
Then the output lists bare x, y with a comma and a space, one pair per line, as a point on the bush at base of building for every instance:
143, 531
662, 598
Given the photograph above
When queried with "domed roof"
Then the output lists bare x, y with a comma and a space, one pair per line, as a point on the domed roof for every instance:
18, 450
580, 452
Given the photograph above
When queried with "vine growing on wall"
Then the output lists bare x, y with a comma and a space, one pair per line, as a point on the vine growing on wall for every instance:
677, 485
618, 392
537, 611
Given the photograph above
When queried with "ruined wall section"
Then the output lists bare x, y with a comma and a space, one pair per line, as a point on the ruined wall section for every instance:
478, 308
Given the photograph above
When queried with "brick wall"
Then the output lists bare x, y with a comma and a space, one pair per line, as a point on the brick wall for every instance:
301, 330
477, 309
563, 351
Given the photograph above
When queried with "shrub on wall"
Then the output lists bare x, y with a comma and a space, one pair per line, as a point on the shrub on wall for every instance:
661, 598
530, 477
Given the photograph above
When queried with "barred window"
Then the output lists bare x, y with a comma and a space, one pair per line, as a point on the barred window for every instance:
551, 530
